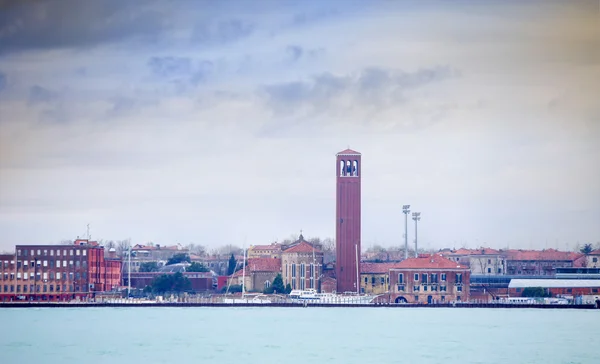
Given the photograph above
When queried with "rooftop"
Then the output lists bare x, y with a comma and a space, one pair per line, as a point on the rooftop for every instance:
377, 268
425, 261
554, 283
348, 152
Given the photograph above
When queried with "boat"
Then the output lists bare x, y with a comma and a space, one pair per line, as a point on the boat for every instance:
309, 296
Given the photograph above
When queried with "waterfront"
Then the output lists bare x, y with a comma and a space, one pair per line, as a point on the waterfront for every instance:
298, 335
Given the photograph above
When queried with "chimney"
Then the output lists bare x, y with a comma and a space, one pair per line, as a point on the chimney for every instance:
112, 253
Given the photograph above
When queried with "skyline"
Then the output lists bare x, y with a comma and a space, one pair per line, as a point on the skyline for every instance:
219, 123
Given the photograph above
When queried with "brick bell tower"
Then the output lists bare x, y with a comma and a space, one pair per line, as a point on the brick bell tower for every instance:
347, 225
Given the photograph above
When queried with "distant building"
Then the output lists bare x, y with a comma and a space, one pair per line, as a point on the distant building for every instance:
302, 264
429, 279
265, 251
58, 272
141, 254
348, 220
482, 261
375, 277
558, 287
538, 262
593, 259
258, 274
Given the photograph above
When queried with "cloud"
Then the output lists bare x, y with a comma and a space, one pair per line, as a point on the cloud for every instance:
371, 87
29, 25
3, 81
39, 94
223, 31
296, 53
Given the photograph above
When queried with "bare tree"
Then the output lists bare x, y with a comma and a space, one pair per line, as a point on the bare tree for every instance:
109, 245
196, 249
122, 246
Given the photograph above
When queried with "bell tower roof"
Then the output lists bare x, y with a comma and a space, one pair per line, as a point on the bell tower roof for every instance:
348, 152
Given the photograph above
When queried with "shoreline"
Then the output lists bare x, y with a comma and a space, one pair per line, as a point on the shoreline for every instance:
299, 305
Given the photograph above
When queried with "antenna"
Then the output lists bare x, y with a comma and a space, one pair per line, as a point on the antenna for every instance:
88, 231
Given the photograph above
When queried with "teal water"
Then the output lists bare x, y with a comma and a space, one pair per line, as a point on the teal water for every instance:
298, 335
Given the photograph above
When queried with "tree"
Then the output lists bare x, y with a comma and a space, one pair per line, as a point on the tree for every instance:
232, 265
534, 292
149, 267
288, 289
199, 250
179, 258
277, 285
587, 249
122, 247
197, 267
234, 288
171, 283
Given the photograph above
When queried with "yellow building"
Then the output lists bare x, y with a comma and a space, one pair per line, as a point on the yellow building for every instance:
375, 277
265, 251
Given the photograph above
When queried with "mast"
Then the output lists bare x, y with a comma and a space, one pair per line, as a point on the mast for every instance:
244, 271
129, 273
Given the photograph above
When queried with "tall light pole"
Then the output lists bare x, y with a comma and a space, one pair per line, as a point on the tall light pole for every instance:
406, 210
416, 216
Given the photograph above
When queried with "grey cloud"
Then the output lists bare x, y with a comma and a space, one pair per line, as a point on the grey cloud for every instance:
28, 25
39, 94
295, 53
170, 66
222, 32
3, 81
375, 87
181, 72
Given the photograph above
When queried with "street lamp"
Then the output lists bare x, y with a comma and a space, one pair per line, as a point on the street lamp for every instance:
406, 210
416, 216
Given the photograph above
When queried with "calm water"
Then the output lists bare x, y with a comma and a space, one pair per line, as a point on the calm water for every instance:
298, 335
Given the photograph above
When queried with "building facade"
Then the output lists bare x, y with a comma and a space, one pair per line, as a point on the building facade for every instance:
375, 277
302, 265
258, 275
348, 220
482, 261
58, 272
429, 279
538, 262
265, 251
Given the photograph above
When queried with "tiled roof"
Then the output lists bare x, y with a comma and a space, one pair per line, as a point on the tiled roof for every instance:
261, 265
302, 247
434, 261
546, 254
266, 247
349, 151
377, 267
464, 251
595, 252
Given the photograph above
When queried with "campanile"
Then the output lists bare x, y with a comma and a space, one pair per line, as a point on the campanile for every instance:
347, 226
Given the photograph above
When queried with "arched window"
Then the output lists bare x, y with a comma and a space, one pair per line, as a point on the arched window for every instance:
355, 168
348, 168
342, 169
267, 284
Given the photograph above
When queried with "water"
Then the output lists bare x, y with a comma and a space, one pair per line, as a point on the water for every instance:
298, 335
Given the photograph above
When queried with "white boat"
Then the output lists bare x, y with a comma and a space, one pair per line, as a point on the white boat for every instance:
312, 296
258, 299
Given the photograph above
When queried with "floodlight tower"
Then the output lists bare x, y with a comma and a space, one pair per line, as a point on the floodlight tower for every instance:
416, 216
406, 210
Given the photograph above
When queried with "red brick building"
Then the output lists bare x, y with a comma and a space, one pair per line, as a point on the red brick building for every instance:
58, 272
429, 279
348, 220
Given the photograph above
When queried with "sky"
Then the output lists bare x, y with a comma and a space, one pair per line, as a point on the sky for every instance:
218, 122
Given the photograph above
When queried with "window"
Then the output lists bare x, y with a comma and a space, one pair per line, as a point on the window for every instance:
71, 252
64, 253
51, 263
45, 252
595, 260
18, 288
424, 288
459, 288
25, 287
373, 280
458, 278
51, 276
424, 278
45, 263
499, 270
64, 263
18, 264
443, 298
77, 264
39, 252
416, 288
58, 276
366, 280
84, 253
401, 278
18, 275
434, 278
442, 288
19, 252
45, 288
489, 261
58, 252
45, 275
51, 286
24, 252
416, 298
443, 277
489, 270
77, 252
51, 253
58, 264
416, 276
434, 288
401, 288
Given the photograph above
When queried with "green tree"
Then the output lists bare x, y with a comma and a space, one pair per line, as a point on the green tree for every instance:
534, 292
587, 249
179, 258
197, 267
171, 283
231, 266
277, 286
288, 289
149, 267
234, 288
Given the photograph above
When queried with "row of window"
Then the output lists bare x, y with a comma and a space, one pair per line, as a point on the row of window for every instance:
402, 288
52, 252
429, 278
44, 275
40, 288
51, 263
